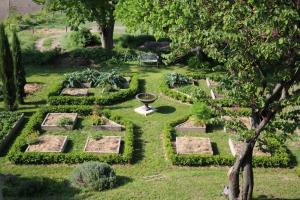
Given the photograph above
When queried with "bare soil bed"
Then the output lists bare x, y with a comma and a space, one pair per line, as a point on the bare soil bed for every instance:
106, 144
75, 91
191, 126
52, 119
49, 143
31, 88
237, 146
193, 145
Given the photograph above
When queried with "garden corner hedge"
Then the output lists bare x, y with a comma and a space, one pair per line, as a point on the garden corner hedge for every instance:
54, 97
18, 155
280, 159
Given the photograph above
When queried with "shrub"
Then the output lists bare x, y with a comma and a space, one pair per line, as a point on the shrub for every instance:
40, 58
94, 176
201, 112
81, 38
175, 79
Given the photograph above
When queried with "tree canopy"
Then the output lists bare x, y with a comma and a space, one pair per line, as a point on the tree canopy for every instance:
258, 44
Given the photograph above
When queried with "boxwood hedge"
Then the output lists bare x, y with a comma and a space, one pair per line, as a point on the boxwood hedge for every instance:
280, 159
54, 97
18, 155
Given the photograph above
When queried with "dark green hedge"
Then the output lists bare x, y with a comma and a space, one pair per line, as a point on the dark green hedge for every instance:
18, 155
279, 159
54, 97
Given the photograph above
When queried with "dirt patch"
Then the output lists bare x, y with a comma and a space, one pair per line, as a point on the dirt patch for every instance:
49, 143
107, 144
193, 145
108, 125
31, 88
237, 146
75, 92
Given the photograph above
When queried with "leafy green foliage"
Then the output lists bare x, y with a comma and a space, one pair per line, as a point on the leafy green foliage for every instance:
94, 176
201, 112
175, 79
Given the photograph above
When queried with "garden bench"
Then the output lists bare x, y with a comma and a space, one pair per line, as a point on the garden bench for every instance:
148, 58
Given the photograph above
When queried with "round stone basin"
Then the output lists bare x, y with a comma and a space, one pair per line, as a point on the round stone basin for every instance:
146, 98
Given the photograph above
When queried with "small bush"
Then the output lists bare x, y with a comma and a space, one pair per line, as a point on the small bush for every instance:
94, 176
81, 38
201, 112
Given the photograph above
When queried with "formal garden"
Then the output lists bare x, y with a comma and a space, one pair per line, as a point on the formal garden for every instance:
150, 107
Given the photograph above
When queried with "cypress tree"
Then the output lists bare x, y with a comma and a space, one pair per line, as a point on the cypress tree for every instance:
19, 71
7, 72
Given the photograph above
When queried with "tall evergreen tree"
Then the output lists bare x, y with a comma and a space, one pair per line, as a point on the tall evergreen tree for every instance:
7, 72
19, 71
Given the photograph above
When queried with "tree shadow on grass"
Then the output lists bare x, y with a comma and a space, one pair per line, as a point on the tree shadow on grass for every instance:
18, 187
215, 148
166, 109
139, 150
264, 197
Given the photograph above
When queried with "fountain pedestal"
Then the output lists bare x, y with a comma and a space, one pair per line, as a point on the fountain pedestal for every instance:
146, 99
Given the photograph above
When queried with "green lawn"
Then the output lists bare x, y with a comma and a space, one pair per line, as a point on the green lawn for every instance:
151, 176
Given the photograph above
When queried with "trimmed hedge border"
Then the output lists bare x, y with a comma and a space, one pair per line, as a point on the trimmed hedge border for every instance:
280, 159
54, 97
18, 155
12, 133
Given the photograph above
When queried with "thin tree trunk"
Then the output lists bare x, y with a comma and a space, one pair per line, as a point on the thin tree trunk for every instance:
107, 34
243, 161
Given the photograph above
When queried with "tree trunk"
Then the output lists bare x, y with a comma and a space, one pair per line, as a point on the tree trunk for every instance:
107, 34
244, 162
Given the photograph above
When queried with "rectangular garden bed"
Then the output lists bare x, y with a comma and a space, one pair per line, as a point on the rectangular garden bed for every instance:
106, 144
49, 144
247, 121
51, 121
193, 145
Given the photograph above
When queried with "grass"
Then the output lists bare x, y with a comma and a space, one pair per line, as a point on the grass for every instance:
48, 43
137, 180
